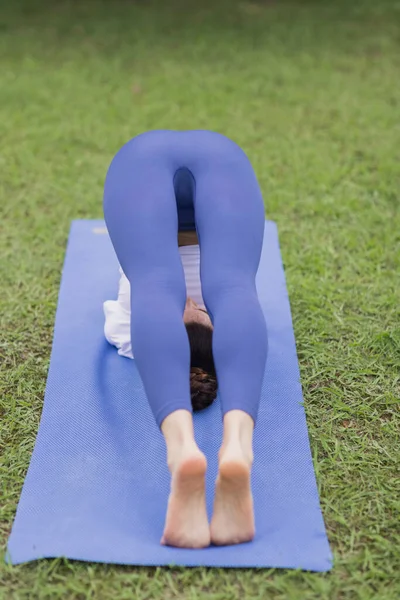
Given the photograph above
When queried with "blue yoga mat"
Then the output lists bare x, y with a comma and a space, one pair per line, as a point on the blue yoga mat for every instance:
97, 485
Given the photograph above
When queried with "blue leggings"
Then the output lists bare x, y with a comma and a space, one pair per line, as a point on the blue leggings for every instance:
162, 182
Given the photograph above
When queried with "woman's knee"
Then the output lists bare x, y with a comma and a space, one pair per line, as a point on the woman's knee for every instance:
222, 291
158, 287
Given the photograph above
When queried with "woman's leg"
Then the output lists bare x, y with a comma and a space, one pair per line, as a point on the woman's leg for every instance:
230, 221
141, 217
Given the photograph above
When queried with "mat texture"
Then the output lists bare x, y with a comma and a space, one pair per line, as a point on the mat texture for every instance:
97, 485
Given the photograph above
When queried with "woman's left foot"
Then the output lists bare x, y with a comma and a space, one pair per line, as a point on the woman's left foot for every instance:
186, 524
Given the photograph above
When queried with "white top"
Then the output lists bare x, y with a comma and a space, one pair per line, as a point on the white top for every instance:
117, 326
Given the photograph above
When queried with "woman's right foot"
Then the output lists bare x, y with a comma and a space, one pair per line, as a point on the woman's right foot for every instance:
186, 524
233, 517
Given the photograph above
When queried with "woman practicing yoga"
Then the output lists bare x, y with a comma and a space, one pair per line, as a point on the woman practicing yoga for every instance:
172, 197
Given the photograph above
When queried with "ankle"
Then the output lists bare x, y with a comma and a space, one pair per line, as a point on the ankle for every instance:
178, 432
238, 435
179, 452
236, 449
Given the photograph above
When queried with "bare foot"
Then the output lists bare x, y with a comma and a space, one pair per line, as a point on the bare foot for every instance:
233, 518
186, 525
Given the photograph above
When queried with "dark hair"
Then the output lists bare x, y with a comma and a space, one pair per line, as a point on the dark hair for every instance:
203, 377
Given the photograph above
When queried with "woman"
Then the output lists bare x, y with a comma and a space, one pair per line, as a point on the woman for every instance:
159, 184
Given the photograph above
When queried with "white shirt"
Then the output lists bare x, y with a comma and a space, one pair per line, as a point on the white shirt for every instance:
117, 326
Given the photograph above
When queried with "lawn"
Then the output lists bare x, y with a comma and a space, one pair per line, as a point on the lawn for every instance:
310, 91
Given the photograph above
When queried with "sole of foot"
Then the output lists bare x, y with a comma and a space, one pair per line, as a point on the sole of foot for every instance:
233, 517
186, 524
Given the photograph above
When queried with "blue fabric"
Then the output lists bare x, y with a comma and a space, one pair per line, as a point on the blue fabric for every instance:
97, 485
149, 178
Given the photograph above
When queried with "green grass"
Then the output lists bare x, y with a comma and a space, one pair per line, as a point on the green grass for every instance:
310, 90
